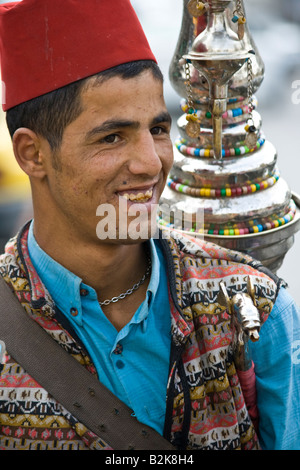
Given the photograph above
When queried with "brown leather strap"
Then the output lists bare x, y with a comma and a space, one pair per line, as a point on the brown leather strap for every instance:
69, 382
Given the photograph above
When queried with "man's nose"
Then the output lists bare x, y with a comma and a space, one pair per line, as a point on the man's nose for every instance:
145, 158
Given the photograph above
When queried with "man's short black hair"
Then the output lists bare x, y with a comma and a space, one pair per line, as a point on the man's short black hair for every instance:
49, 114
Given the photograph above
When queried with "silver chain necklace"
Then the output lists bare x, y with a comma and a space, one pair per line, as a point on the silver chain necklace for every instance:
133, 288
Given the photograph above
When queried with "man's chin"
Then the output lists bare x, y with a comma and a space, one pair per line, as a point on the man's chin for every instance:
132, 223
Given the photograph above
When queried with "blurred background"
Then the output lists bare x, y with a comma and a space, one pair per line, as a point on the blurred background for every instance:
275, 27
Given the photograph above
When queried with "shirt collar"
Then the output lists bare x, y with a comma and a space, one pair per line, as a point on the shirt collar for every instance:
64, 286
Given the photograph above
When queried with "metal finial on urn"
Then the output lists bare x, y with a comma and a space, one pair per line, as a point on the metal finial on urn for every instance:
237, 188
217, 53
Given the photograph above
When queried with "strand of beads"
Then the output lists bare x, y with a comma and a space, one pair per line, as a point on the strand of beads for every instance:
227, 191
253, 226
239, 18
230, 114
188, 110
180, 144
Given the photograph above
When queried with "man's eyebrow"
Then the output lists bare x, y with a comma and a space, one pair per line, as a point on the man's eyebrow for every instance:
162, 117
113, 124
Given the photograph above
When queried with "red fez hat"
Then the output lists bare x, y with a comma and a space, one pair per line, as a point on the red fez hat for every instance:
47, 44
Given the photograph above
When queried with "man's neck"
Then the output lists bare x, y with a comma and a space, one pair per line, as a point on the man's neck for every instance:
109, 268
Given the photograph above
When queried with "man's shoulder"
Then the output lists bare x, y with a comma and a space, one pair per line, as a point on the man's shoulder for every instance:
9, 255
197, 248
12, 266
202, 265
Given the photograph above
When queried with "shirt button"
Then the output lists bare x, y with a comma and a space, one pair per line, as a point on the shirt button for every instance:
84, 292
120, 364
118, 349
74, 312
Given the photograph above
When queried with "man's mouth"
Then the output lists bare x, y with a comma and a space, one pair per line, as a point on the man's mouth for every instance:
137, 196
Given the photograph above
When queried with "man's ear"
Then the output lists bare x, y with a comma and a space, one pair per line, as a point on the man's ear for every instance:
28, 152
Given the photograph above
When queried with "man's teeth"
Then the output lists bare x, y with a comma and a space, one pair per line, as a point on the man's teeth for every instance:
141, 197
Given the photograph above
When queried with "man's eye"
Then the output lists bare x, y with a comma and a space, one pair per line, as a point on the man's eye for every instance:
111, 139
158, 130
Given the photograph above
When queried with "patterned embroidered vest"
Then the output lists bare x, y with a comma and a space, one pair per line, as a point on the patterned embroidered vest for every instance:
209, 406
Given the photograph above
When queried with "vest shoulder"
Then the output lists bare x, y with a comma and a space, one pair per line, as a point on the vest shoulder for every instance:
208, 262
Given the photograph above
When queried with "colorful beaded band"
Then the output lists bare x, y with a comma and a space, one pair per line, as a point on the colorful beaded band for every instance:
230, 113
209, 153
239, 229
223, 192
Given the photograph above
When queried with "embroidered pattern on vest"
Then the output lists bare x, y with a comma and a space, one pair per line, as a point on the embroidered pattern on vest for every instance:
219, 417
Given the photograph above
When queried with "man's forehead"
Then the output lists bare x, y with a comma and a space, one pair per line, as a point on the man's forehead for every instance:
115, 78
119, 92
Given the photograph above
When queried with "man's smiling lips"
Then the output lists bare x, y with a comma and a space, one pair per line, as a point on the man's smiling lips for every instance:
137, 194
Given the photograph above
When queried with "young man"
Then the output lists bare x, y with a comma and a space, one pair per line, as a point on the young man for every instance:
89, 125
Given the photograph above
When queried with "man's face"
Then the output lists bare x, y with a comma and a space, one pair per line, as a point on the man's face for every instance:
116, 154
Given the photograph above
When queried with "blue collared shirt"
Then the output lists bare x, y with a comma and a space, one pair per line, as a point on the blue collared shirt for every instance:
134, 362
